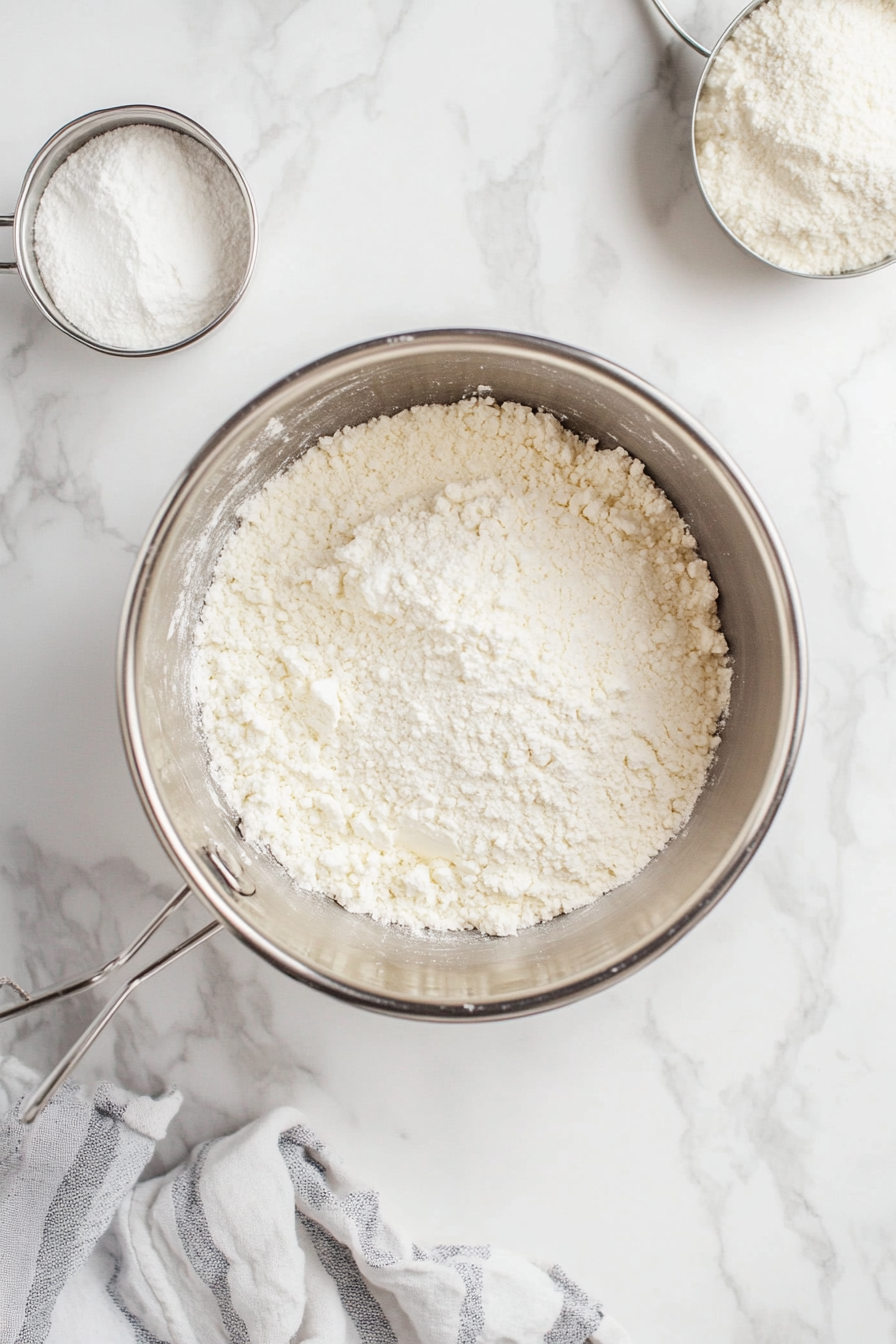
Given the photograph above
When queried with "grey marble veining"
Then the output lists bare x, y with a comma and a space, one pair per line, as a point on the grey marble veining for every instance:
712, 1144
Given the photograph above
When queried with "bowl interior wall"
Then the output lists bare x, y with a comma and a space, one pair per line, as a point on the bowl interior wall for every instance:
433, 974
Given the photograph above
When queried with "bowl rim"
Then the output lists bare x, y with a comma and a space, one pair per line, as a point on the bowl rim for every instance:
206, 881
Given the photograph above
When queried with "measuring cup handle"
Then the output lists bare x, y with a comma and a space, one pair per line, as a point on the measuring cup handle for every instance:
54, 1080
682, 33
6, 222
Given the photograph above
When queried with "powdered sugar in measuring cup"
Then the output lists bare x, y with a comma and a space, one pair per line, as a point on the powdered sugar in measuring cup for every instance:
134, 231
141, 237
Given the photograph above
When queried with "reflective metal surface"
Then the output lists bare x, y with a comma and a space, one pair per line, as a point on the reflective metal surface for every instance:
54, 152
462, 975
682, 32
65, 989
7, 222
32, 1106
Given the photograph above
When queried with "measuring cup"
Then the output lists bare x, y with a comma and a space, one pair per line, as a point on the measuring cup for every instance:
710, 60
48, 159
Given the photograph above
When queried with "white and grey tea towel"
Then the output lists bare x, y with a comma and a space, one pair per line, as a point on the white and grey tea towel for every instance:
259, 1238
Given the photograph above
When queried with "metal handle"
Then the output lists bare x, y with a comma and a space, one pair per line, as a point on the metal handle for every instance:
685, 36
54, 1080
64, 989
6, 222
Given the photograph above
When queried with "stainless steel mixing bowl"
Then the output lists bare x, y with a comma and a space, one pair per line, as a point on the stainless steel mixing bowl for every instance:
463, 976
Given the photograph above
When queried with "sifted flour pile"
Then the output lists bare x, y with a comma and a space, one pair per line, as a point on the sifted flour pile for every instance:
459, 668
796, 133
142, 237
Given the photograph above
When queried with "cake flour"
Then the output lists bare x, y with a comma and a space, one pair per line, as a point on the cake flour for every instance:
459, 668
141, 237
796, 133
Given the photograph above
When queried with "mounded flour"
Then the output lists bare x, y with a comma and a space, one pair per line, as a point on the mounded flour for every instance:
796, 133
460, 668
141, 237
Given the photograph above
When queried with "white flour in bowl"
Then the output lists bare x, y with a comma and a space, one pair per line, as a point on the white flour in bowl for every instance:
796, 133
461, 669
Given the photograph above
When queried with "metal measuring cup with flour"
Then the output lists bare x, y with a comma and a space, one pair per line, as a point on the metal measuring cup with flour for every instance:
794, 133
134, 232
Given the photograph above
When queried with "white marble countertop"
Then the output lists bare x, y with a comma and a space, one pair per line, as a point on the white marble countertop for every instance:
711, 1145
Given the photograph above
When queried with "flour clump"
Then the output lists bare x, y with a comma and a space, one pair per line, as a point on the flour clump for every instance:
795, 133
142, 237
460, 668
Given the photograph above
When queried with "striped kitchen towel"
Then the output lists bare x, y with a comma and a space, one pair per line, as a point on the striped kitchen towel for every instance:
259, 1238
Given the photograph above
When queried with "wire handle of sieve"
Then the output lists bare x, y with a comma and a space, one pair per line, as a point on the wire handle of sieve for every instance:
7, 222
63, 989
66, 988
46, 1090
682, 33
